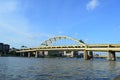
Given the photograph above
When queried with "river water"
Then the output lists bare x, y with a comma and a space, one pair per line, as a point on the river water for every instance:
20, 68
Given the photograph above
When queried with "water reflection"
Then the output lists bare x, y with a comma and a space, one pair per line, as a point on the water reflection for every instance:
12, 68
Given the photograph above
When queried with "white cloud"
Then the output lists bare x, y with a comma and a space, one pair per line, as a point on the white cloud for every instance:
15, 27
92, 4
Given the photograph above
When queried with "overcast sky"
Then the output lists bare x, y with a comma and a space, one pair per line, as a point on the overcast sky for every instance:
29, 22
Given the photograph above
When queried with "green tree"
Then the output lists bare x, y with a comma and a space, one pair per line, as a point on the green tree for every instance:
81, 41
23, 46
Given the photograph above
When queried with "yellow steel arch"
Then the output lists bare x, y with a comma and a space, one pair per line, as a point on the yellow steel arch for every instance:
53, 39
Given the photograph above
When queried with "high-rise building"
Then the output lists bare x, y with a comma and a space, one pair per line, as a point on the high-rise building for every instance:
4, 49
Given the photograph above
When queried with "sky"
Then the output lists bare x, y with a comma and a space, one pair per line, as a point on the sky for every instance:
30, 22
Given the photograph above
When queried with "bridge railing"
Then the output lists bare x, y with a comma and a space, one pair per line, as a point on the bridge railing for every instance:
92, 47
51, 47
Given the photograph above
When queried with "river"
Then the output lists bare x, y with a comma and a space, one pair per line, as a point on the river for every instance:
21, 68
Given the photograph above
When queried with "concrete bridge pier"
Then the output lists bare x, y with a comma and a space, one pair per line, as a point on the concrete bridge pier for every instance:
23, 54
72, 54
28, 54
85, 55
36, 54
111, 56
64, 53
20, 54
90, 54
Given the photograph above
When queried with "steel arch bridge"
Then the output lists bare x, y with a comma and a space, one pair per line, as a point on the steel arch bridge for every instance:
87, 48
49, 41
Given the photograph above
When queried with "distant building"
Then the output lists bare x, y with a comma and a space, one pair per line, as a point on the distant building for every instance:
4, 49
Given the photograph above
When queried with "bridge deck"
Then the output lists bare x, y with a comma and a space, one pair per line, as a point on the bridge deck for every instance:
89, 47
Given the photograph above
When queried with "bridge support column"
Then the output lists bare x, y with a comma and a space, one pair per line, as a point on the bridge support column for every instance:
23, 54
28, 54
72, 54
111, 56
36, 54
85, 55
20, 54
45, 53
91, 54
